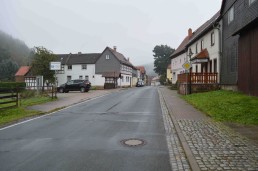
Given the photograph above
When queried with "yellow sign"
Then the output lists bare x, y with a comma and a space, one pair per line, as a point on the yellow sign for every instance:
187, 65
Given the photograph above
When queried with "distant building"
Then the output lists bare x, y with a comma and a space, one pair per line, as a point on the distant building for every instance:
169, 74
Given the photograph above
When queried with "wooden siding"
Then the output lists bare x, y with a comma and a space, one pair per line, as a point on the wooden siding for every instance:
248, 62
243, 15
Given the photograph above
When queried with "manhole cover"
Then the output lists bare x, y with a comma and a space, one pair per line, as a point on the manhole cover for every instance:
133, 142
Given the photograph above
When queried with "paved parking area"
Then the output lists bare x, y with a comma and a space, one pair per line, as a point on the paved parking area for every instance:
67, 99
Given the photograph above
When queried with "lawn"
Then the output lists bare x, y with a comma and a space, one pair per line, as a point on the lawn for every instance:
226, 106
15, 113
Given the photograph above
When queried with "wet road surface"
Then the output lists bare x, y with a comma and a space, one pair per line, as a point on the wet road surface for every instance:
88, 136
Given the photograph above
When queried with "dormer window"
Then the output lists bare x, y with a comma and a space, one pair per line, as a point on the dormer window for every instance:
107, 57
69, 67
231, 15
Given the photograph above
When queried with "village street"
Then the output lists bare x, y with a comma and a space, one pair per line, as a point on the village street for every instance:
89, 136
128, 129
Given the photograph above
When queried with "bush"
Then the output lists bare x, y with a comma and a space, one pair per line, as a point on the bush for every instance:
28, 93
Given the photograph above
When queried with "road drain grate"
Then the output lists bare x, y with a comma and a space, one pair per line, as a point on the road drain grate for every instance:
133, 142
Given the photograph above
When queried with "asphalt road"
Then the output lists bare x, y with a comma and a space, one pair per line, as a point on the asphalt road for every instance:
88, 136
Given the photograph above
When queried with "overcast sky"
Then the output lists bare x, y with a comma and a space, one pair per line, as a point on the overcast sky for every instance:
88, 26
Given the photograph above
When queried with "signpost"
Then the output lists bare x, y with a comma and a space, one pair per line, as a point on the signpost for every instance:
55, 66
187, 65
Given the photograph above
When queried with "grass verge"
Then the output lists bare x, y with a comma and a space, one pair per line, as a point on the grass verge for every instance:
14, 114
226, 106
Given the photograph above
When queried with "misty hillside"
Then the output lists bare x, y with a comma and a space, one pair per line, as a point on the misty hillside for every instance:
13, 54
149, 69
16, 48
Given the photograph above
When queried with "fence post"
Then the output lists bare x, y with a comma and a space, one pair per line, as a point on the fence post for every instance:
52, 92
17, 97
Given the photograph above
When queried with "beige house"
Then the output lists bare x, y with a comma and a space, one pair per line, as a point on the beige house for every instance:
169, 74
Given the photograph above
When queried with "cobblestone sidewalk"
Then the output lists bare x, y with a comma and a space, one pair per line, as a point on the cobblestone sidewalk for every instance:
177, 156
213, 145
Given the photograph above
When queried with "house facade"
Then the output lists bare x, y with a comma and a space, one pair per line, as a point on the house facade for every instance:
143, 76
240, 42
169, 74
179, 57
79, 66
205, 48
136, 75
114, 67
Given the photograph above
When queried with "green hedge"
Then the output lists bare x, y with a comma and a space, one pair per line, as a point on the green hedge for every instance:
5, 86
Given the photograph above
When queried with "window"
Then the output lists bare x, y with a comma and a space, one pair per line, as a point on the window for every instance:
109, 80
202, 44
231, 15
196, 68
69, 67
215, 65
251, 2
212, 39
84, 66
80, 77
107, 57
69, 78
86, 77
196, 48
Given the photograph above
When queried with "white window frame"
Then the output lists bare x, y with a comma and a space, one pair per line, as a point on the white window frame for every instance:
202, 44
212, 39
231, 14
107, 57
69, 67
80, 77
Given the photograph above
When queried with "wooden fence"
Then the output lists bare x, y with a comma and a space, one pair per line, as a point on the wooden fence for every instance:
198, 78
8, 98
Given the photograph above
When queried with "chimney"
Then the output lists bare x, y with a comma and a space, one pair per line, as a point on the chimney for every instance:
128, 59
190, 33
114, 47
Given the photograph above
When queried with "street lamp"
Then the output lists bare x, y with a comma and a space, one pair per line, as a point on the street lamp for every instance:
190, 53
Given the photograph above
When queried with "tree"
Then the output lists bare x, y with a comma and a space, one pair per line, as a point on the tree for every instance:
162, 58
40, 63
8, 67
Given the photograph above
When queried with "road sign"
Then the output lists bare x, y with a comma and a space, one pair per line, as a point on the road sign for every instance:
55, 65
187, 65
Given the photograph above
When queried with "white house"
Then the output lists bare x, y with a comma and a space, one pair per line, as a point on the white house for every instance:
79, 66
179, 57
204, 46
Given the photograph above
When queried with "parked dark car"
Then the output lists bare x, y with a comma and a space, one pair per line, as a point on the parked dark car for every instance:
75, 85
139, 84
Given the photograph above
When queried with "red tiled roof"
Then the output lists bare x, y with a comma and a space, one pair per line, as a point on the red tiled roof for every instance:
202, 55
23, 70
203, 28
181, 47
142, 69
